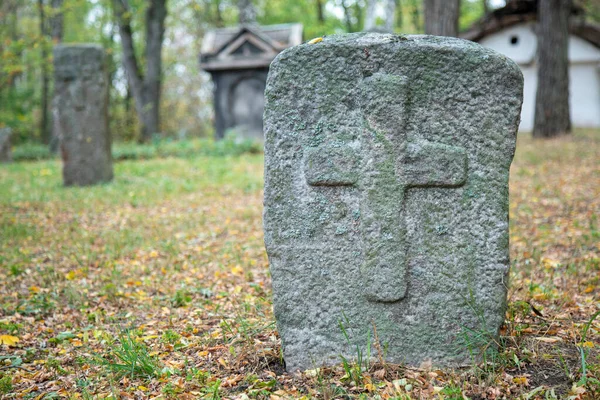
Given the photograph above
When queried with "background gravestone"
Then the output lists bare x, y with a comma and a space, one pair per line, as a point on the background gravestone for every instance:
386, 197
81, 114
5, 146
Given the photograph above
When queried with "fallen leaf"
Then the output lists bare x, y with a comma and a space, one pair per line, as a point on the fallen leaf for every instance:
9, 340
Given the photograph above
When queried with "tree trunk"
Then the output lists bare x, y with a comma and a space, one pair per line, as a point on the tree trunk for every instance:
155, 33
390, 15
145, 88
320, 13
44, 131
371, 16
347, 17
398, 17
358, 12
57, 32
416, 16
441, 17
552, 116
56, 21
247, 12
218, 15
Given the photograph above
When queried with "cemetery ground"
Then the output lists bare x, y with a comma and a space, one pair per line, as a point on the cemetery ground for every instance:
157, 285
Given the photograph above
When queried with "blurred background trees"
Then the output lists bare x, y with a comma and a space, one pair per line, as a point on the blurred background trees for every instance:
131, 31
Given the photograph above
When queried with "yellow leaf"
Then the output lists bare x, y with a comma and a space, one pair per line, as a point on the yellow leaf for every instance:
70, 276
520, 380
237, 270
540, 296
316, 40
34, 289
9, 340
587, 344
550, 263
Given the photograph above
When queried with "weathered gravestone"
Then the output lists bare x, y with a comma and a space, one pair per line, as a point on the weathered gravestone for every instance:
80, 112
5, 146
386, 197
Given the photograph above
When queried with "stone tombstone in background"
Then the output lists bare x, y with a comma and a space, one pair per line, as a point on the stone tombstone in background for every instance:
5, 146
386, 197
80, 111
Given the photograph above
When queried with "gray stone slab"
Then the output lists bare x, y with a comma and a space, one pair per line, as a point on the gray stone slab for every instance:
5, 145
386, 197
80, 110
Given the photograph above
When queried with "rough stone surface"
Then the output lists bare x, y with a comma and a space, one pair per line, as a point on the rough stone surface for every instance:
386, 197
5, 145
80, 112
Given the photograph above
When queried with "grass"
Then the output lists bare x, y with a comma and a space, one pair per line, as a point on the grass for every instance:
157, 286
158, 148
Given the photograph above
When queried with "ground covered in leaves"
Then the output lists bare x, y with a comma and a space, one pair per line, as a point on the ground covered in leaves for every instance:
157, 286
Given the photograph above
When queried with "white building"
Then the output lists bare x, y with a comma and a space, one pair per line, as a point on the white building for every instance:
511, 31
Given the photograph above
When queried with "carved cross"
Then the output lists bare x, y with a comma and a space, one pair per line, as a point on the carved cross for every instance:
388, 165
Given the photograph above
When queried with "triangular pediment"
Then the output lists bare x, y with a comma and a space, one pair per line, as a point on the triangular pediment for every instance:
247, 43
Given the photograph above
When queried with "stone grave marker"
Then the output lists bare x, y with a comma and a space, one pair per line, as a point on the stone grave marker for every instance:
386, 197
5, 145
80, 110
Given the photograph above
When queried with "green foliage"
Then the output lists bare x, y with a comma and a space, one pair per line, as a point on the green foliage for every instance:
5, 384
230, 146
170, 336
186, 102
181, 298
470, 12
161, 148
30, 151
130, 357
304, 12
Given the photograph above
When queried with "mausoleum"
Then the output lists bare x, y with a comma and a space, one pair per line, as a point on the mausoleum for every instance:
238, 60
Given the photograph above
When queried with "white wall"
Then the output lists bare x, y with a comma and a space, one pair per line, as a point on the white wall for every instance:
524, 48
520, 43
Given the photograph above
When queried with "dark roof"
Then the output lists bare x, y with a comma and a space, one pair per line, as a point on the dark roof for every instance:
247, 46
520, 11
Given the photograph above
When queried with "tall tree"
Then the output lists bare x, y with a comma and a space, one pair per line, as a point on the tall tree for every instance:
552, 117
57, 21
247, 12
416, 15
371, 16
399, 14
56, 28
45, 134
218, 15
145, 87
441, 17
390, 14
320, 12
